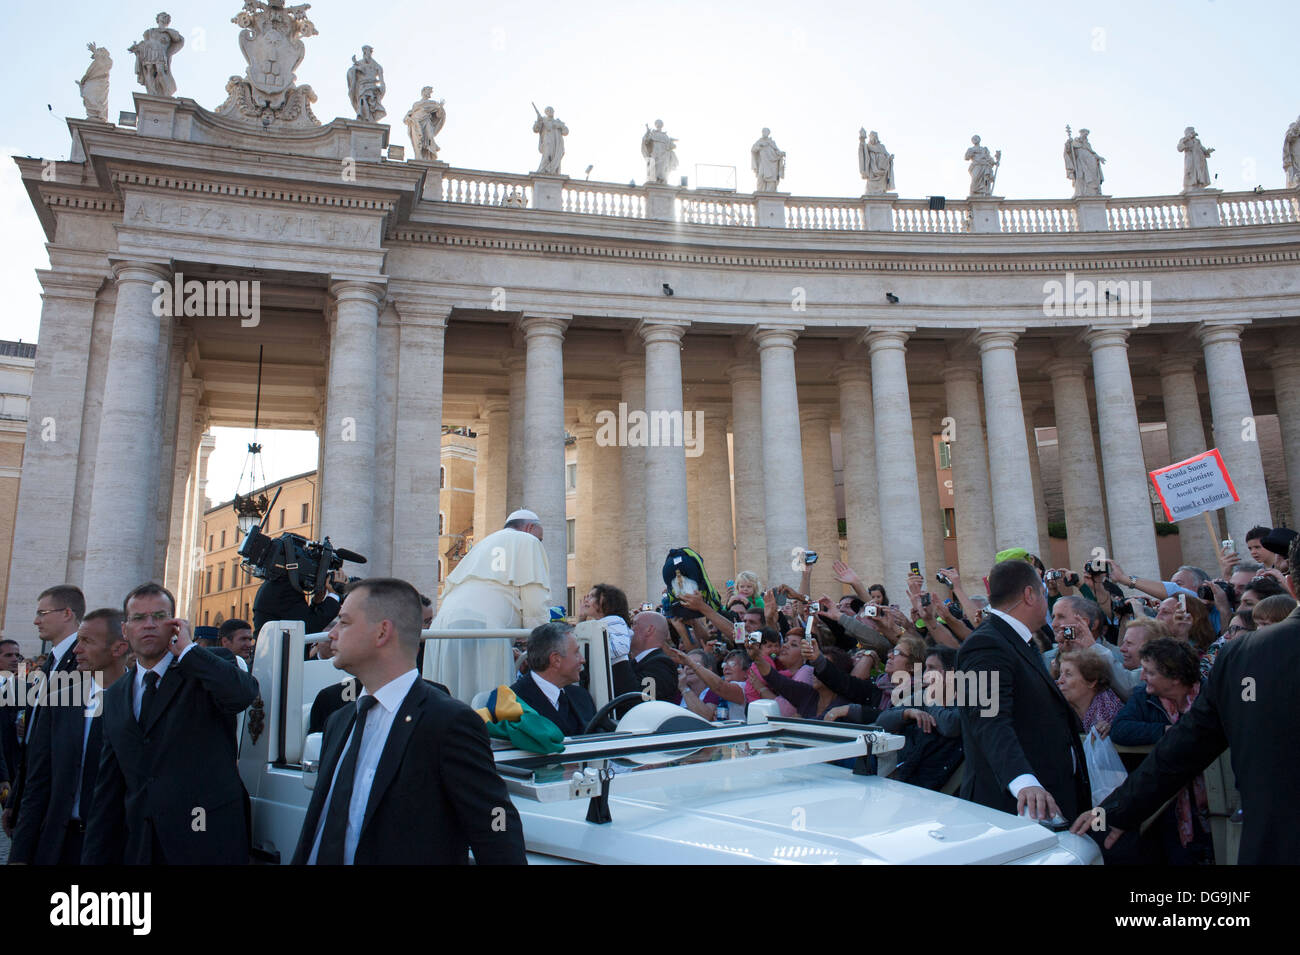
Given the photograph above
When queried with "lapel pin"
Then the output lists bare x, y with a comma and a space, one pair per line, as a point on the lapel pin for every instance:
408, 719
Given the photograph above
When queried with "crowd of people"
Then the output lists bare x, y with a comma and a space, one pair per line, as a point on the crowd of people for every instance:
128, 773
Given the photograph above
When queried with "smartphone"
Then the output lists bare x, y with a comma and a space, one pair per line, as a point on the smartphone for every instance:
780, 598
925, 600
1228, 546
731, 583
739, 638
808, 628
914, 568
1053, 575
1067, 633
1182, 603
810, 557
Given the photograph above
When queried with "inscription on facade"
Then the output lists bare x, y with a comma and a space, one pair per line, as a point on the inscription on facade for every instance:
217, 220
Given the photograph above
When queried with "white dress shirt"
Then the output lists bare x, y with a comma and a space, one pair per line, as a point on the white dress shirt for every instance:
548, 688
1024, 779
160, 668
379, 721
64, 646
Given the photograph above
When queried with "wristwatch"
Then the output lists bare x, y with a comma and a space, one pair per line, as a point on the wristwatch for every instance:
1132, 581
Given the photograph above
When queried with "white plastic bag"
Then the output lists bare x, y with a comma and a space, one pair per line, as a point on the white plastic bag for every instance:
1105, 771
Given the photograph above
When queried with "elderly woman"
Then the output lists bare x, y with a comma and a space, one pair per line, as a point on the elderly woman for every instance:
811, 701
1077, 624
1084, 680
1171, 682
1191, 623
773, 682
696, 695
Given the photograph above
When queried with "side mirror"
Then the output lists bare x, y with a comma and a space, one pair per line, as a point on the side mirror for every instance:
311, 759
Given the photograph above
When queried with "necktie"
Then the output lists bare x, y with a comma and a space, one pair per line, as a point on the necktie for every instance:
336, 816
568, 716
86, 781
146, 698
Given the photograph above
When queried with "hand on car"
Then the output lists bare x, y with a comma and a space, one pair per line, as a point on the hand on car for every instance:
1038, 802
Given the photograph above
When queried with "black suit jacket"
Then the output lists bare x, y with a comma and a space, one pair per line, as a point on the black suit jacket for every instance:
1249, 705
1033, 731
436, 792
67, 664
583, 706
153, 779
53, 765
630, 677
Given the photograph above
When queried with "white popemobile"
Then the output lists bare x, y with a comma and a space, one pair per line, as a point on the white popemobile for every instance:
667, 787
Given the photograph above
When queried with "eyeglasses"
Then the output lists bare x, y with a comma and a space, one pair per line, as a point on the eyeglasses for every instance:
157, 615
896, 652
42, 613
1237, 628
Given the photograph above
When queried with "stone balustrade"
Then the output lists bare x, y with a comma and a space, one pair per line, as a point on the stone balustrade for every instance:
874, 213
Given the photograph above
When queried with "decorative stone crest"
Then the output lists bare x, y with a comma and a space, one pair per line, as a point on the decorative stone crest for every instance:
271, 41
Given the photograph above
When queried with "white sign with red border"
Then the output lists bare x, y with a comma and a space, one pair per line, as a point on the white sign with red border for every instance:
1190, 487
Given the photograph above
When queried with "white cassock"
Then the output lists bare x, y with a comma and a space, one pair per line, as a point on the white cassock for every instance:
503, 583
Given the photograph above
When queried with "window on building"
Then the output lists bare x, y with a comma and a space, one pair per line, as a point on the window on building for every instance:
209, 542
568, 536
232, 611
219, 621
949, 522
570, 596
440, 571
571, 477
282, 517
306, 511
945, 454
442, 478
207, 588
442, 523
246, 615
205, 618
221, 578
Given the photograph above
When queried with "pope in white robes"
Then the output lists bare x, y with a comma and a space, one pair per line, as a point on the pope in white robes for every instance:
503, 583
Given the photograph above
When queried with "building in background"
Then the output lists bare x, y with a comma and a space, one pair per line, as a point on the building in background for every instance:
17, 366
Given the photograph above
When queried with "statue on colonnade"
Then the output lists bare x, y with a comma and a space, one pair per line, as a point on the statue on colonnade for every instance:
153, 57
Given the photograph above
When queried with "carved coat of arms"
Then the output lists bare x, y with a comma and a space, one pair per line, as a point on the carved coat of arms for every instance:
271, 41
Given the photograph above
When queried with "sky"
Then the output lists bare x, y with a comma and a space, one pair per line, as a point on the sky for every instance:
925, 75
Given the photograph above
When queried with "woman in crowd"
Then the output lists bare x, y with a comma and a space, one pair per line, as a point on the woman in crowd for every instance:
1171, 682
608, 604
1191, 624
809, 701
1084, 681
696, 695
1261, 586
878, 595
1241, 622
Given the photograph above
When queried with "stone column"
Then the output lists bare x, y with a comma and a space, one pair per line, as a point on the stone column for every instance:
177, 558
119, 540
588, 546
1014, 520
1030, 409
747, 450
418, 447
1286, 392
858, 450
927, 486
192, 590
972, 499
665, 457
693, 501
717, 544
43, 519
1186, 438
168, 421
348, 501
382, 560
1085, 522
609, 516
495, 463
544, 439
515, 367
483, 435
819, 489
783, 485
1132, 531
1234, 428
631, 373
900, 500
